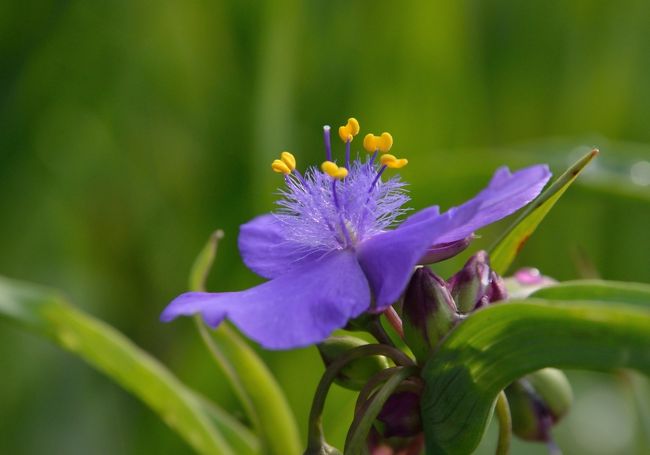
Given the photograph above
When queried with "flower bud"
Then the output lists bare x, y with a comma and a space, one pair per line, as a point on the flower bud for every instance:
470, 286
498, 290
428, 313
356, 373
554, 388
400, 415
537, 402
394, 446
442, 251
526, 281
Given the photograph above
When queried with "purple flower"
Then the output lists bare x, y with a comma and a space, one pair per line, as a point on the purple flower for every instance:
335, 248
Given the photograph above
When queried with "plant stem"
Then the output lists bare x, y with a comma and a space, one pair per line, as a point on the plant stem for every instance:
356, 440
315, 437
505, 424
377, 330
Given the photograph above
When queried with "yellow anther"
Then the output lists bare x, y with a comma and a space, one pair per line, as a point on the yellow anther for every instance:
382, 143
280, 167
288, 159
350, 130
333, 170
390, 161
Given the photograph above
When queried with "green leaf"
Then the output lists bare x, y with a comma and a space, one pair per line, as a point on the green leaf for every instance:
255, 386
600, 290
501, 343
206, 428
515, 237
278, 425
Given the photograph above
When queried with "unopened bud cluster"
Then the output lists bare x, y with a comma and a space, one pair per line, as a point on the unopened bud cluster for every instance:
433, 306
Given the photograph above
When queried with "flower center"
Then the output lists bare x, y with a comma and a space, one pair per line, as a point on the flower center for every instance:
337, 207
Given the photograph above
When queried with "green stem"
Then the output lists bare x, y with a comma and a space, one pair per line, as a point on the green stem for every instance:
505, 424
315, 438
377, 330
355, 442
371, 386
230, 373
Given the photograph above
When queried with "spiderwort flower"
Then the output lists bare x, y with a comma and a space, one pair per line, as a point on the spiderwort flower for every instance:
335, 249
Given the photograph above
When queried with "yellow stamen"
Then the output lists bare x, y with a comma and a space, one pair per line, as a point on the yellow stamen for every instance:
331, 169
382, 143
280, 167
288, 159
390, 161
351, 129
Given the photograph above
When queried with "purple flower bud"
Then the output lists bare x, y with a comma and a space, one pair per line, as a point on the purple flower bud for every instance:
429, 312
442, 251
526, 281
471, 285
529, 276
497, 291
394, 446
400, 416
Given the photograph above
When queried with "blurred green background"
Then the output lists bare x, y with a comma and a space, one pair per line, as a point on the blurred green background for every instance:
129, 130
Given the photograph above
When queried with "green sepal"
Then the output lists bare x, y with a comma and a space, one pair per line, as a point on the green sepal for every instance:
355, 374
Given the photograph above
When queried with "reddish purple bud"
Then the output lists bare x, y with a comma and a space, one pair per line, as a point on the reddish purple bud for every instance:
400, 416
470, 286
526, 281
442, 251
429, 312
529, 276
497, 291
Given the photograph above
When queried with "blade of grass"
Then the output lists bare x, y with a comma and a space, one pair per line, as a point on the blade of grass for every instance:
506, 248
46, 313
255, 386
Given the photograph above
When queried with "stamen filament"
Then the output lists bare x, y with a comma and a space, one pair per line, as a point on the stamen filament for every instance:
328, 143
377, 177
373, 157
347, 153
338, 209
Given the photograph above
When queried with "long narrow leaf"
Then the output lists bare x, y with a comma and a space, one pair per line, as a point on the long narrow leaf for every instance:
600, 290
253, 383
278, 424
46, 313
516, 236
499, 344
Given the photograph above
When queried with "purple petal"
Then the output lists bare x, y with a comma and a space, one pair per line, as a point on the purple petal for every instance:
266, 251
422, 215
388, 258
294, 310
505, 194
